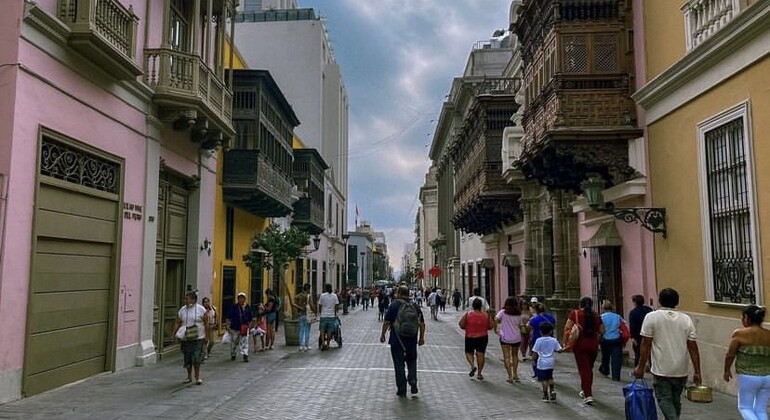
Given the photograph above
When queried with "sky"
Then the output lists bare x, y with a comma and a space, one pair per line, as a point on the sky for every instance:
398, 59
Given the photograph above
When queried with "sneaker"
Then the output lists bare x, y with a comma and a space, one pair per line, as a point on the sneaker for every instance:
553, 396
232, 357
545, 398
582, 394
414, 388
245, 359
588, 400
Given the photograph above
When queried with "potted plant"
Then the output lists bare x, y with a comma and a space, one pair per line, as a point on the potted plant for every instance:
282, 246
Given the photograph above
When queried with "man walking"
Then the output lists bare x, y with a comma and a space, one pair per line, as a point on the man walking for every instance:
477, 295
328, 305
668, 336
406, 323
635, 319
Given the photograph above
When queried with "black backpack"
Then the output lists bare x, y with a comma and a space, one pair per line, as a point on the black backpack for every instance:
407, 320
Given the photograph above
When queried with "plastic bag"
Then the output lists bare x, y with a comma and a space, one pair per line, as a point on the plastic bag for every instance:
226, 338
181, 332
640, 401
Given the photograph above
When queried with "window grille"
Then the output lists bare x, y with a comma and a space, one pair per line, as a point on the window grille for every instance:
576, 53
606, 53
62, 161
730, 214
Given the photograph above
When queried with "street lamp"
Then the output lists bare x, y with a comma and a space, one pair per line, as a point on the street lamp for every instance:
363, 269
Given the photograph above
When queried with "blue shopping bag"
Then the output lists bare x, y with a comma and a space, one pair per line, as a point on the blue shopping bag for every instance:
640, 401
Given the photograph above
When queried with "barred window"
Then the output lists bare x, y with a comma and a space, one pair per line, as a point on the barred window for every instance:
730, 214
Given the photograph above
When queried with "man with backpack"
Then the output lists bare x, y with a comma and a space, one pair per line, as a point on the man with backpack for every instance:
406, 323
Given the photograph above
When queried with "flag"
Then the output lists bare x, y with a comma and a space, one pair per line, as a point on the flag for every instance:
357, 213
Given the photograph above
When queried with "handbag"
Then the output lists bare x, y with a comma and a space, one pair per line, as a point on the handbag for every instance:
244, 327
640, 401
571, 336
625, 334
191, 332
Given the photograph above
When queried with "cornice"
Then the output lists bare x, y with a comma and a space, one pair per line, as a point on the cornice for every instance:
745, 39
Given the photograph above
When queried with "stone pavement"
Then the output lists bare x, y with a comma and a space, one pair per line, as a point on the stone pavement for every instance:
354, 382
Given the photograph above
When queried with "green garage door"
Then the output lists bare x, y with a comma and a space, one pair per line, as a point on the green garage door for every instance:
71, 287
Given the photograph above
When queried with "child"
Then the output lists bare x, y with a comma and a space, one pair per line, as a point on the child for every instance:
260, 326
544, 359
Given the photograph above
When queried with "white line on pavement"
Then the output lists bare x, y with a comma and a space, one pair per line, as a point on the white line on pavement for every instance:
374, 369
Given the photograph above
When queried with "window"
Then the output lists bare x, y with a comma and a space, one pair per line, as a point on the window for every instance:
229, 228
729, 213
179, 22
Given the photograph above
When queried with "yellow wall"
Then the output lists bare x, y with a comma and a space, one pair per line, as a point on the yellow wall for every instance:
675, 184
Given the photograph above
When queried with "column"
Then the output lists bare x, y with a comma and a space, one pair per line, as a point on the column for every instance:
560, 270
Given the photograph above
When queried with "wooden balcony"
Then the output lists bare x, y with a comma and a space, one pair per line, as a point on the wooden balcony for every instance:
104, 31
189, 93
308, 168
251, 182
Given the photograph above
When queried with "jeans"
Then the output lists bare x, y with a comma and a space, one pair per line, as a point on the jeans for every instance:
401, 357
304, 331
366, 304
668, 392
586, 350
753, 393
612, 356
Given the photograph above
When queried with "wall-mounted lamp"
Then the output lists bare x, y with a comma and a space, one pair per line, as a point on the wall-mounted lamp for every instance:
316, 242
206, 246
651, 218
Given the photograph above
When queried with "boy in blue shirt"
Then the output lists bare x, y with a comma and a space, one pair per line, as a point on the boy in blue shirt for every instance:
543, 353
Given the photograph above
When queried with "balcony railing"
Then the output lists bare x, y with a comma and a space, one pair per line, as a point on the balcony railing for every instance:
251, 181
703, 18
309, 215
180, 76
103, 29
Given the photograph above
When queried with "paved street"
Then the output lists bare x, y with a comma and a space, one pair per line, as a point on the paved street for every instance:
355, 382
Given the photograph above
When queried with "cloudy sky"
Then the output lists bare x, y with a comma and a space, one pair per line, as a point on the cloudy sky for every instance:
398, 58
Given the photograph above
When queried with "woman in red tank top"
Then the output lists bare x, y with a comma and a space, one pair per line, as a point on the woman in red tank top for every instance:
476, 324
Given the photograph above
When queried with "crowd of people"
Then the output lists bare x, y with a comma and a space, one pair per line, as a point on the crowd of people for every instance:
664, 341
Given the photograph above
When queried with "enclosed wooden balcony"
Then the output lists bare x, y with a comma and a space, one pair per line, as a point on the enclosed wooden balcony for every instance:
483, 201
189, 93
252, 182
308, 168
104, 31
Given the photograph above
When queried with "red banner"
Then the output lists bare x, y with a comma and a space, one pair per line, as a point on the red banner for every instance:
435, 271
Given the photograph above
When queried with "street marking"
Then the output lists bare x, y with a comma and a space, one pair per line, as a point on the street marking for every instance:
369, 369
435, 346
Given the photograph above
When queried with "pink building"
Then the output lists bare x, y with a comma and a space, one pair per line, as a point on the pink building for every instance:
109, 110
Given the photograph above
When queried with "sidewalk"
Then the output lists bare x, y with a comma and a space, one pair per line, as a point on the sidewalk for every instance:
354, 382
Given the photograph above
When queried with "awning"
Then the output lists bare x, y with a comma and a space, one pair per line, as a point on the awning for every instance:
606, 235
488, 263
511, 260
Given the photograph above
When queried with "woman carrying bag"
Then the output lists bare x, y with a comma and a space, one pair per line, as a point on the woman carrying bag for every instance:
476, 324
583, 339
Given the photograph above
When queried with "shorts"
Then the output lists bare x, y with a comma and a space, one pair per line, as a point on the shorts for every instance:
477, 344
327, 324
192, 351
502, 343
544, 375
270, 318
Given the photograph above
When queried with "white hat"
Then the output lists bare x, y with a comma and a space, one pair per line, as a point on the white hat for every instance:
241, 294
533, 300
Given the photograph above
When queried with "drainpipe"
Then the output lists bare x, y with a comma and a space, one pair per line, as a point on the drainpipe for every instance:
3, 209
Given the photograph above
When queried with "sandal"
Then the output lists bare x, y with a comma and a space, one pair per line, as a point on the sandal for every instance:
509, 380
480, 377
473, 371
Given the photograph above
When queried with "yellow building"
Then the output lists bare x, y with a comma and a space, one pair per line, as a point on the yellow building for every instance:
706, 103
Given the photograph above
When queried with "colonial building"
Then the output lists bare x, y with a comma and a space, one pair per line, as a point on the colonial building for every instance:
110, 113
706, 104
427, 215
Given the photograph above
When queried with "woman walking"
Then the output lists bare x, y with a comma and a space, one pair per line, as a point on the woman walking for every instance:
196, 328
211, 314
240, 320
524, 329
750, 349
586, 348
509, 329
611, 343
476, 324
271, 316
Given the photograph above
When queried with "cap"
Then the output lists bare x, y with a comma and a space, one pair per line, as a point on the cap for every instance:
533, 300
241, 294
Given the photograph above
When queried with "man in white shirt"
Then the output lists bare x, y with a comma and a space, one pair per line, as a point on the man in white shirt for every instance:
668, 336
477, 295
328, 305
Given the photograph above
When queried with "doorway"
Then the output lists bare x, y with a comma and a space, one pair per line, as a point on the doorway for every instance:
607, 277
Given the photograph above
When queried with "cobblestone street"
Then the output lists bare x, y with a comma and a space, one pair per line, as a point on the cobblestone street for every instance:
355, 382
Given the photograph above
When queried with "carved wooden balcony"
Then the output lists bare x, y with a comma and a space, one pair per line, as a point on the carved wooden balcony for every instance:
252, 182
189, 93
104, 31
308, 168
483, 201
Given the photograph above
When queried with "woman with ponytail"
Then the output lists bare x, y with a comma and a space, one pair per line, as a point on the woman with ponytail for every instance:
586, 348
750, 349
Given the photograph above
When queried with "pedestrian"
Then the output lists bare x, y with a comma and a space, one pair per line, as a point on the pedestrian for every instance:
586, 348
328, 305
271, 318
345, 299
193, 318
750, 349
668, 336
442, 300
543, 353
406, 323
509, 329
540, 316
300, 304
382, 302
211, 315
433, 301
418, 297
611, 342
366, 297
372, 295
525, 334
477, 295
476, 324
635, 319
457, 297
259, 329
240, 319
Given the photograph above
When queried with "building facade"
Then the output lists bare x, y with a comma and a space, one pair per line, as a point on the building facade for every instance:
428, 228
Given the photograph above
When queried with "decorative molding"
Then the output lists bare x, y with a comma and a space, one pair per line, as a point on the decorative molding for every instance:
735, 47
